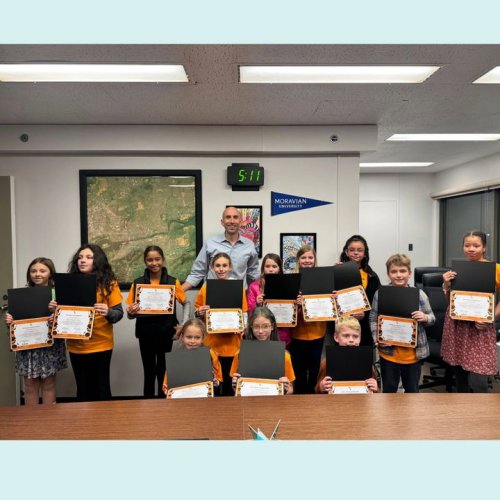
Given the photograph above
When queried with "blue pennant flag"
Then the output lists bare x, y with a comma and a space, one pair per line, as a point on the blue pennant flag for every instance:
282, 203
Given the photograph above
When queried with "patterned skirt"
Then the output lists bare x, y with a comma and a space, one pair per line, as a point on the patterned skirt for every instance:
466, 346
42, 362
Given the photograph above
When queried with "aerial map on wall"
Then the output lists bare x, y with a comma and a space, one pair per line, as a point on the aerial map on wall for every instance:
125, 214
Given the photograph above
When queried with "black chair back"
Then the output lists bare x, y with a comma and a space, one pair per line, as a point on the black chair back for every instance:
418, 272
439, 306
432, 280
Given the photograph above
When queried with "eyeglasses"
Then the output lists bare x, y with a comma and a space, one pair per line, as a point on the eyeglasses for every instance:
262, 328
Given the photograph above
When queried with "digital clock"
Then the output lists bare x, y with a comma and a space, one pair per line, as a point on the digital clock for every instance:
245, 176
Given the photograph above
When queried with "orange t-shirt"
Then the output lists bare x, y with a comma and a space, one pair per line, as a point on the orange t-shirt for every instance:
102, 333
311, 330
224, 344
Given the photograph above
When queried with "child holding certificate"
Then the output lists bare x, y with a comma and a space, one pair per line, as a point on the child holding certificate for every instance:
271, 264
356, 250
307, 338
91, 358
347, 333
398, 362
38, 367
155, 331
470, 346
191, 336
225, 345
262, 327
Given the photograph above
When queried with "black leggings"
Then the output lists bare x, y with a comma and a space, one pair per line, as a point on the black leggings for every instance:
153, 349
92, 375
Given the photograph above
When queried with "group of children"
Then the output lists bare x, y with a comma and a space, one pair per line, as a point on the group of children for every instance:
305, 365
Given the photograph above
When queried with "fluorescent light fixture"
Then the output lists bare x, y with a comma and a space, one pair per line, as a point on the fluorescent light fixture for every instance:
444, 137
493, 76
93, 73
398, 164
335, 74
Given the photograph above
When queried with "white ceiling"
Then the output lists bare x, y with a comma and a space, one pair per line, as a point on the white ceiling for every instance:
446, 102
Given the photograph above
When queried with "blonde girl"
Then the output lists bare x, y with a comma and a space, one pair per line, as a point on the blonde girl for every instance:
191, 336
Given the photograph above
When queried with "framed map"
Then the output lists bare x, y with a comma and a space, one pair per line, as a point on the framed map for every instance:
124, 211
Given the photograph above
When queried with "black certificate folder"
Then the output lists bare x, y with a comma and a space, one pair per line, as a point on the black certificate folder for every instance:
75, 289
345, 363
317, 280
225, 294
397, 301
474, 276
188, 366
346, 275
28, 303
282, 286
262, 359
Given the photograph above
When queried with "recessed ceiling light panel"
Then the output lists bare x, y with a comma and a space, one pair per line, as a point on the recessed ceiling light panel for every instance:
335, 74
492, 76
398, 164
93, 73
444, 137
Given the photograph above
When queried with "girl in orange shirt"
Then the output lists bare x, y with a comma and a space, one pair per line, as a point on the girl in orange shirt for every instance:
225, 345
191, 336
307, 337
262, 327
91, 358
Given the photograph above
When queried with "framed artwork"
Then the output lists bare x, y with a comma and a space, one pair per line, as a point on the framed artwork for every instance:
251, 224
290, 243
124, 211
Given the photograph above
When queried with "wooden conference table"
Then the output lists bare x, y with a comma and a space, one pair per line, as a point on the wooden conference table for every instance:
378, 416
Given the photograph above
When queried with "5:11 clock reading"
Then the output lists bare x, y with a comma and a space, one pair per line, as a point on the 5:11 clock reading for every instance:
245, 174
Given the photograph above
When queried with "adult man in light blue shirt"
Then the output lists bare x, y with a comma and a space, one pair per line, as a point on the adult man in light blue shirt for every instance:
244, 258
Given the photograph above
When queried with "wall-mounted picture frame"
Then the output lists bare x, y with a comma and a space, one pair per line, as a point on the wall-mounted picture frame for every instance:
124, 211
251, 224
290, 244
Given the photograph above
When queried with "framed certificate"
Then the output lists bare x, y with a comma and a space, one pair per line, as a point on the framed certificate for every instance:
349, 387
472, 306
224, 321
73, 322
319, 308
259, 387
285, 311
352, 300
30, 334
397, 331
155, 299
200, 390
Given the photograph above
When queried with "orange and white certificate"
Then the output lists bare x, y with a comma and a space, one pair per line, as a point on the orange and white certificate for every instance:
259, 387
73, 322
155, 299
30, 334
319, 308
472, 306
397, 331
352, 300
285, 312
225, 321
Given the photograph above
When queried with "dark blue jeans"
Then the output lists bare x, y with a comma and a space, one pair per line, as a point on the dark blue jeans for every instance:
392, 372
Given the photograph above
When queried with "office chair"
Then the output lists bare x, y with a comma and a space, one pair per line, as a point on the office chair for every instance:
432, 280
439, 305
418, 272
